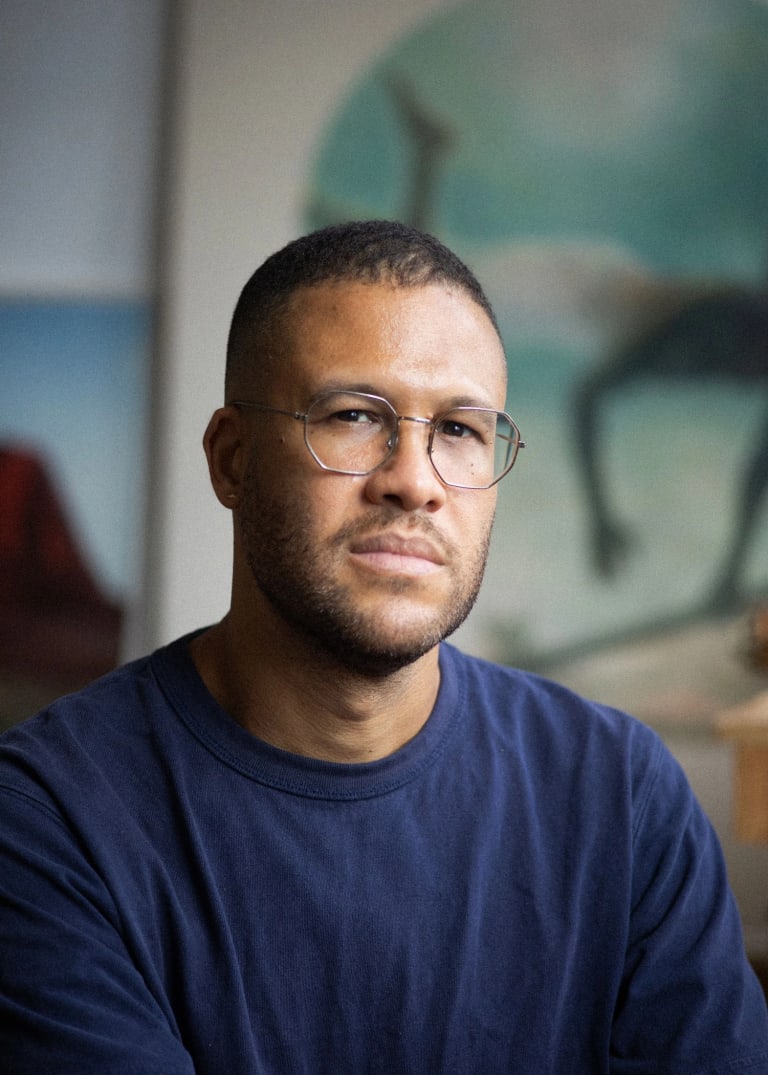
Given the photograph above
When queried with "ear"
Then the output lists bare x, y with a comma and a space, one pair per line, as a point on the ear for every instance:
225, 450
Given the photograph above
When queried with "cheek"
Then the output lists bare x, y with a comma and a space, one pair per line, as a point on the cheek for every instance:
308, 500
331, 501
476, 518
280, 475
275, 456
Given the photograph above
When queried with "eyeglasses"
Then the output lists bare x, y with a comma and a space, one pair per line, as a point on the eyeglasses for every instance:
355, 433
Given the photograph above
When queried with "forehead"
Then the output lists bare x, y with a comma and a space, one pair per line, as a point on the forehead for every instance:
391, 339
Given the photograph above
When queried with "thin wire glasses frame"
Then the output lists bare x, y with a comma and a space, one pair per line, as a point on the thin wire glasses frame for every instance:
359, 411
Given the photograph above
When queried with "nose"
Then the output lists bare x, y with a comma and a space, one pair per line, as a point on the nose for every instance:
408, 477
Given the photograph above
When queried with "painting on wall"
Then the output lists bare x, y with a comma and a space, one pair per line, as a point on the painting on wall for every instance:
80, 104
604, 169
72, 459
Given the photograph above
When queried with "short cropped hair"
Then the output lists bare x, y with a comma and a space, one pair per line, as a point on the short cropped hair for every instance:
374, 251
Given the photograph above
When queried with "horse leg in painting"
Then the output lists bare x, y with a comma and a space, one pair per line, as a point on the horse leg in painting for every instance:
719, 335
430, 138
609, 540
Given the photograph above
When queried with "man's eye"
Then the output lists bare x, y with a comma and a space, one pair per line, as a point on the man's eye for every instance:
451, 428
354, 417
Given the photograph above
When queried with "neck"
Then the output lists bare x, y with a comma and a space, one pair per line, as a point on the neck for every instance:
289, 695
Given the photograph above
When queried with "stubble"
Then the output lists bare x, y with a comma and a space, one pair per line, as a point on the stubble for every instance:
298, 578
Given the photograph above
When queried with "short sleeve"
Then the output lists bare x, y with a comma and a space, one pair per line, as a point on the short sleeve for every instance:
689, 1003
71, 997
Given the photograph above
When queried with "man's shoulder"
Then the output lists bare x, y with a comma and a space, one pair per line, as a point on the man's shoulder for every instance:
509, 686
102, 717
105, 695
532, 708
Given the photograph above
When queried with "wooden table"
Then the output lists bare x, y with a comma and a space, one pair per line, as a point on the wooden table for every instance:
747, 726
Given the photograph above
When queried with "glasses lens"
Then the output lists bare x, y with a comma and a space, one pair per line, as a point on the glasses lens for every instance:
473, 447
350, 431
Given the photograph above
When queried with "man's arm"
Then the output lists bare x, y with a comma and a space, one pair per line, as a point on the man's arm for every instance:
690, 1003
72, 999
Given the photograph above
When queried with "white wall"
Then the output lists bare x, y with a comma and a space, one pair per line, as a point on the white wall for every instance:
78, 91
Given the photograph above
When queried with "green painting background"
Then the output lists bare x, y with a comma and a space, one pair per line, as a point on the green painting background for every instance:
591, 161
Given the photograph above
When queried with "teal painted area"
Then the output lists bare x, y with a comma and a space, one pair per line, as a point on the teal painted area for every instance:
665, 150
592, 158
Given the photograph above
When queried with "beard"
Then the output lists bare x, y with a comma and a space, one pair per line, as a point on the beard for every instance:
298, 578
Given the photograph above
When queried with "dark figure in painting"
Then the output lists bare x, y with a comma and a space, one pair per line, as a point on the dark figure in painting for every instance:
56, 624
721, 333
430, 139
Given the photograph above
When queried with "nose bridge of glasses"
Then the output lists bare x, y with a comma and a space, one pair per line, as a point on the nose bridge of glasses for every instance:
397, 419
415, 419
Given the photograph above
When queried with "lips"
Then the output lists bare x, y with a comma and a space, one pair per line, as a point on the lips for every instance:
393, 550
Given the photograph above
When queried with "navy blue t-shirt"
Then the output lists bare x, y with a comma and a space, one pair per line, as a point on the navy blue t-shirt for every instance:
528, 887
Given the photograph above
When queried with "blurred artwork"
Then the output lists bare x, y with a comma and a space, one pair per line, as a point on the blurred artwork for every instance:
603, 168
73, 454
58, 629
81, 109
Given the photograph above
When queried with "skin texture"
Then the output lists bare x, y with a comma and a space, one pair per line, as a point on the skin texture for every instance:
343, 586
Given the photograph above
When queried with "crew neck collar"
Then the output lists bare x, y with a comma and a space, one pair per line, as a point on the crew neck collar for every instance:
295, 774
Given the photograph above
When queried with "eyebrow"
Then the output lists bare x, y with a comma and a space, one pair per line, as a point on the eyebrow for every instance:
372, 390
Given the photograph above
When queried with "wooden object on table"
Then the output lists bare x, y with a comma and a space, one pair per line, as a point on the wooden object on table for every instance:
747, 726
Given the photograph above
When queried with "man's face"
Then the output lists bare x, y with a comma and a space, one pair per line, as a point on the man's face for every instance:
373, 570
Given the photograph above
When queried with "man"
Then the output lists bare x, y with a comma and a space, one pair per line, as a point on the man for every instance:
315, 839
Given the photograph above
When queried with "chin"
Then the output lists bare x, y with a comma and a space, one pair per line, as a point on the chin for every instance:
378, 653
374, 637
378, 663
